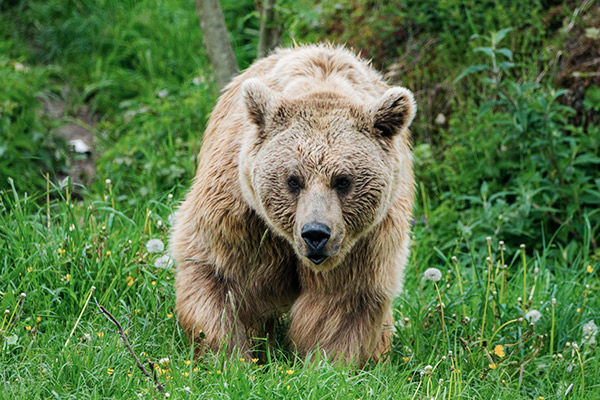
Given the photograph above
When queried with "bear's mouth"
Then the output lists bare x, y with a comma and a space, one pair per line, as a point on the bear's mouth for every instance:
316, 258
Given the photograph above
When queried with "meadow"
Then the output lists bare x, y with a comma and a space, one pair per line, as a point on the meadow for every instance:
500, 298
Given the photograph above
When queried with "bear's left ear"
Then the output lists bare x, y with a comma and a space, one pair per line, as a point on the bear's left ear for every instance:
394, 111
259, 101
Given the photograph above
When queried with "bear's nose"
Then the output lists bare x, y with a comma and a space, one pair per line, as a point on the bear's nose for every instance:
315, 234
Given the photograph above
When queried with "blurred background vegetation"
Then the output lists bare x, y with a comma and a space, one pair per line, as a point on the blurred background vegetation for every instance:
506, 139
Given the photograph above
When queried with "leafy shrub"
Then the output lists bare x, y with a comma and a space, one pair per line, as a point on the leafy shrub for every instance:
515, 167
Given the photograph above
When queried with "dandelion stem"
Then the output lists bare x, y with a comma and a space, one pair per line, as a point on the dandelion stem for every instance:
80, 314
441, 306
552, 329
487, 295
524, 276
582, 374
502, 326
460, 286
8, 325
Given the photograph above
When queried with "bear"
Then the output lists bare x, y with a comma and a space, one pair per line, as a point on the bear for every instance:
300, 205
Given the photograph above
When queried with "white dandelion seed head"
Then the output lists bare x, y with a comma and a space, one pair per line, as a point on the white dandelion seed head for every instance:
108, 181
170, 196
432, 274
155, 246
164, 261
590, 329
533, 316
163, 93
428, 369
553, 302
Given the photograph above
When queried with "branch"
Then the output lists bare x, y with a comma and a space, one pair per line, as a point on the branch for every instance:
121, 333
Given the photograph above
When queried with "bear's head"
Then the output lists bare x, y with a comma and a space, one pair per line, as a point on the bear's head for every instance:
323, 170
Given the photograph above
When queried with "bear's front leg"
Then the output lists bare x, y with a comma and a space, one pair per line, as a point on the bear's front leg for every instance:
351, 328
208, 309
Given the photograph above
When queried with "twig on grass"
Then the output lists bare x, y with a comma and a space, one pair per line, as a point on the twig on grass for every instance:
121, 333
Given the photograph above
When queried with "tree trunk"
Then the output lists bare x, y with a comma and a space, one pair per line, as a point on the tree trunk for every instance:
216, 41
268, 37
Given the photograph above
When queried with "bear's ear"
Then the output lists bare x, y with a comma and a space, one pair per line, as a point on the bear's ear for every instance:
259, 100
394, 111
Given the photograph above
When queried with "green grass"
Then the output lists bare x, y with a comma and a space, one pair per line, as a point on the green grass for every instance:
56, 261
481, 174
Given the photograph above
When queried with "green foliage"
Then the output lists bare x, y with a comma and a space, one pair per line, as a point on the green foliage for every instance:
28, 147
520, 168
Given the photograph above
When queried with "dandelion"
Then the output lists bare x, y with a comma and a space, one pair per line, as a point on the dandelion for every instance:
38, 319
100, 334
108, 252
289, 371
155, 246
164, 261
493, 366
432, 274
187, 362
406, 359
171, 316
28, 327
255, 360
590, 330
129, 281
590, 269
428, 369
533, 316
499, 350
110, 371
164, 362
153, 283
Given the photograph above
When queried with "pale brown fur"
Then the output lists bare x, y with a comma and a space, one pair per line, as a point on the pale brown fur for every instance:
317, 112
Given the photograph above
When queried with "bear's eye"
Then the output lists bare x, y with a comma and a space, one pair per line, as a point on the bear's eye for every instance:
342, 183
293, 183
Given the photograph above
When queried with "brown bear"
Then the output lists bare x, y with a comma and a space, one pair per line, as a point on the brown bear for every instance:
301, 202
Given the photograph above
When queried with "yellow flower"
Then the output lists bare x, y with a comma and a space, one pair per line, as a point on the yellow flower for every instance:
405, 359
288, 387
541, 398
28, 327
255, 360
197, 369
129, 375
61, 252
29, 269
242, 359
108, 252
493, 366
153, 283
187, 362
171, 316
579, 310
38, 319
185, 373
590, 269
129, 281
219, 371
100, 334
68, 277
289, 371
110, 371
137, 310
499, 350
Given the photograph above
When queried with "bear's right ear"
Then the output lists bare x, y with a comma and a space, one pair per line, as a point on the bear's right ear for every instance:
259, 101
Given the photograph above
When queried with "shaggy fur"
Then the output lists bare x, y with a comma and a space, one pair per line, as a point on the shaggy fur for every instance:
321, 117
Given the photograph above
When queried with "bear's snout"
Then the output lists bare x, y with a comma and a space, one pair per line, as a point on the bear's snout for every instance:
316, 235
